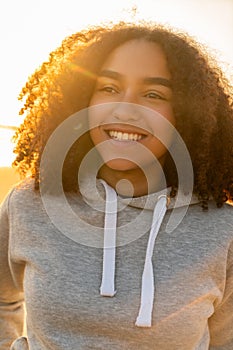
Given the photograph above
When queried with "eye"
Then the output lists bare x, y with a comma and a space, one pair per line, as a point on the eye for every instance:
154, 95
109, 89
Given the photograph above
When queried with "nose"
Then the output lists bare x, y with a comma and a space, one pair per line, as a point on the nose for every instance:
125, 111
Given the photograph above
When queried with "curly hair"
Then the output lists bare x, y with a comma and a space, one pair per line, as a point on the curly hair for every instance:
202, 104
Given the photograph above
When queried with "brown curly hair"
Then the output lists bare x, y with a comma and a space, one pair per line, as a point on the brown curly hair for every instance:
202, 104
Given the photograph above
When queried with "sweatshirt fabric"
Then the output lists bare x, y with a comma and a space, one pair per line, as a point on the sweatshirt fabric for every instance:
54, 266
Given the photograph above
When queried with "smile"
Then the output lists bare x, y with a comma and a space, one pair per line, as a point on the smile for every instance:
124, 136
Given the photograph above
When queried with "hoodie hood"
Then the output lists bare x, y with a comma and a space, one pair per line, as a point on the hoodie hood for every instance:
94, 193
149, 201
158, 203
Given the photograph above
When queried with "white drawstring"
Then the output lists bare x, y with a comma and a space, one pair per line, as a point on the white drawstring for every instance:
147, 289
108, 275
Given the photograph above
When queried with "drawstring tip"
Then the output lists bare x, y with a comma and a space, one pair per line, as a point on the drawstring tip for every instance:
144, 318
107, 293
143, 323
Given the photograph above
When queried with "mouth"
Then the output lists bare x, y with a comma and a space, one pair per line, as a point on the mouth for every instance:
124, 136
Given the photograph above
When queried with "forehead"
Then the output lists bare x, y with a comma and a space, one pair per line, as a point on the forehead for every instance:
139, 57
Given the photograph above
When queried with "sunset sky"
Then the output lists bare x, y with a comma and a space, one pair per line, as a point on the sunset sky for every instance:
30, 29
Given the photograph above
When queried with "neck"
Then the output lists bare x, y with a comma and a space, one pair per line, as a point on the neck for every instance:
133, 183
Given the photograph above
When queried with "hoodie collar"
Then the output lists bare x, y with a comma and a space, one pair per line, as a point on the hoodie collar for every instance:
94, 193
149, 201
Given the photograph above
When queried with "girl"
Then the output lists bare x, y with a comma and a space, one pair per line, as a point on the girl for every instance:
84, 238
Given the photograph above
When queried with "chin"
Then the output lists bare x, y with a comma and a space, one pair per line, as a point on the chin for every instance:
121, 165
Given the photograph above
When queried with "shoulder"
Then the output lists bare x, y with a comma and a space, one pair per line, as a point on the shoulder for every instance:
221, 216
15, 202
22, 193
214, 214
214, 225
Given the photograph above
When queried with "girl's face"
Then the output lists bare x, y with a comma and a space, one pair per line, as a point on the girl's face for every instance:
135, 73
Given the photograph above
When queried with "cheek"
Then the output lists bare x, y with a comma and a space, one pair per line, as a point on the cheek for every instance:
91, 119
168, 114
163, 125
171, 117
94, 136
94, 120
164, 132
158, 122
99, 114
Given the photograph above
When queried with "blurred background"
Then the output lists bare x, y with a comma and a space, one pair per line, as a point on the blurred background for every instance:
30, 29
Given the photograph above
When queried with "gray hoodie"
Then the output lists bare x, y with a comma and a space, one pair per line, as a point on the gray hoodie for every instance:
115, 276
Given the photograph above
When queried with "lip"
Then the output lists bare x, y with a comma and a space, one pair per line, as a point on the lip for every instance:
124, 129
123, 143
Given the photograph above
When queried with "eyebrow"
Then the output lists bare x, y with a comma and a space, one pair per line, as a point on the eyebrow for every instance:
148, 81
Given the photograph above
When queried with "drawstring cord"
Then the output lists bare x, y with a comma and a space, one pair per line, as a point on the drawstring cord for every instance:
107, 287
147, 288
108, 274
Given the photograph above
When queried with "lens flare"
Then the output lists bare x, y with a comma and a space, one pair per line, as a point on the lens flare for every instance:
76, 68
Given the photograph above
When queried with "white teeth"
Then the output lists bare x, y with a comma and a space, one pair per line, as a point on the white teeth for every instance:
118, 135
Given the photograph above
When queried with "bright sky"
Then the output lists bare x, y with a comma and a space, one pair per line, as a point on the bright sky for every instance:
30, 29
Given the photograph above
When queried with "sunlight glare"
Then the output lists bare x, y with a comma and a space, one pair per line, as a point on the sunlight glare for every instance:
30, 30
6, 147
